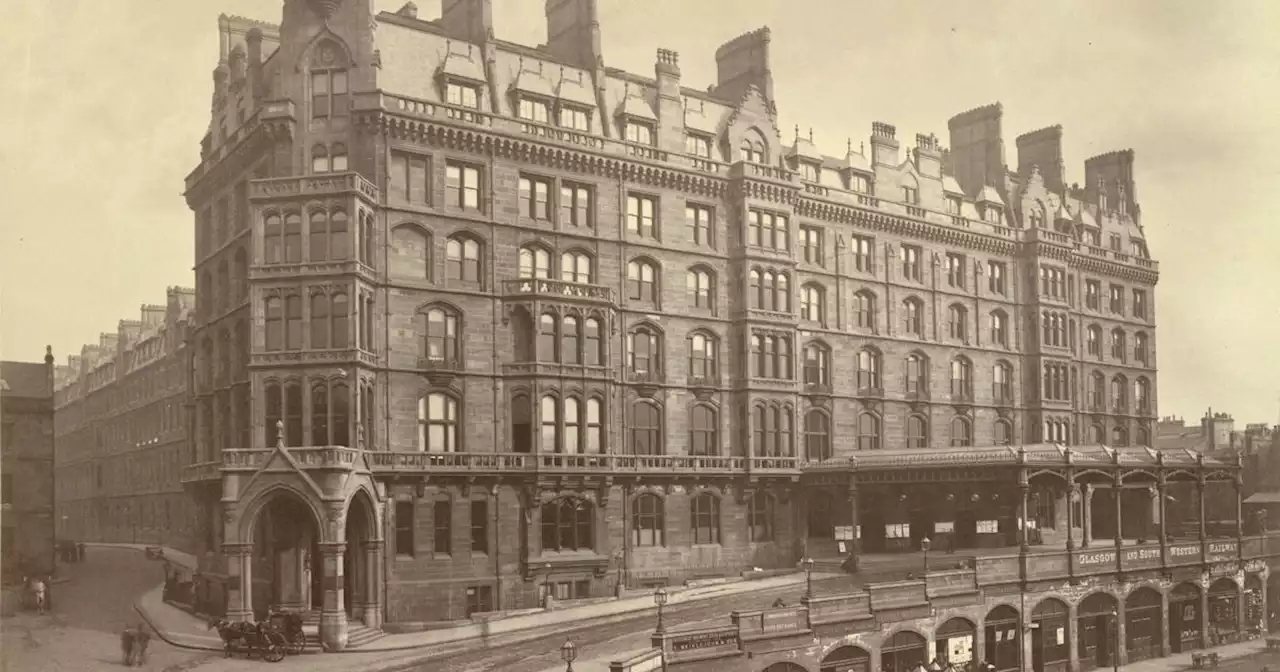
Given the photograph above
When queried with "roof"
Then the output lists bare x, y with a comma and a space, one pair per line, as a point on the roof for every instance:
24, 379
1263, 498
1044, 454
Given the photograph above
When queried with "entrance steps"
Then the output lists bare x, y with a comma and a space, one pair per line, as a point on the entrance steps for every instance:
358, 634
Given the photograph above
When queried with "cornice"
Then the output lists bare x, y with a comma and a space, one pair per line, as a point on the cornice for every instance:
848, 214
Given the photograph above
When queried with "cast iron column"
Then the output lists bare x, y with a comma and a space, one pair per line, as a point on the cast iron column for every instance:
853, 522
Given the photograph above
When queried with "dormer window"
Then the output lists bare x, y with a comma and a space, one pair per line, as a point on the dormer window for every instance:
1094, 237
859, 183
462, 95
953, 206
575, 118
697, 145
808, 172
535, 110
910, 195
1115, 242
639, 132
1137, 249
991, 214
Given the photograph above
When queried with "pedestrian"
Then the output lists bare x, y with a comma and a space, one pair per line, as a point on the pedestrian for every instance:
38, 587
141, 638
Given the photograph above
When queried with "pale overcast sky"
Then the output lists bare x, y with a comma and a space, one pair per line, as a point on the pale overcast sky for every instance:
106, 104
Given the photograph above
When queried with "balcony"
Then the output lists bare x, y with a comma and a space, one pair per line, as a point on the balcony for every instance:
771, 315
201, 472
817, 389
646, 382
566, 463
333, 184
315, 357
703, 386
557, 370
557, 290
338, 458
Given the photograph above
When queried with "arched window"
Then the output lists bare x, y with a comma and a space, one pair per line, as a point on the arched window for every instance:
318, 229
817, 436
917, 376
274, 413
753, 149
646, 429
293, 414
410, 254
339, 395
1117, 344
703, 430
1002, 383
958, 322
1097, 434
868, 369
569, 350
1000, 328
368, 413
273, 316
961, 379
701, 289
1093, 340
772, 430
868, 431
702, 357
462, 259
339, 321
293, 238
705, 519
272, 239
319, 321
535, 262
1003, 433
1119, 394
913, 316
961, 432
592, 345
549, 421
917, 432
547, 338
593, 440
648, 521
293, 322
644, 350
567, 525
576, 267
755, 284
812, 303
1140, 353
1098, 393
320, 414
782, 293
760, 517
1142, 437
329, 95
864, 310
817, 364
572, 442
440, 344
438, 424
642, 281
339, 237
1141, 396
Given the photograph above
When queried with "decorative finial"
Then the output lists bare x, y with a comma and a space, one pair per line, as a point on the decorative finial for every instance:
797, 132
862, 147
280, 434
810, 134
848, 145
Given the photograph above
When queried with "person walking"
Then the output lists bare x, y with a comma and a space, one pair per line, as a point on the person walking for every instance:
39, 587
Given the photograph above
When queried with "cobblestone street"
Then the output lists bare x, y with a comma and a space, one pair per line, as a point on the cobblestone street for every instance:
82, 633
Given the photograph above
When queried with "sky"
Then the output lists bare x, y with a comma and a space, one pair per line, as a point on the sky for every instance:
105, 110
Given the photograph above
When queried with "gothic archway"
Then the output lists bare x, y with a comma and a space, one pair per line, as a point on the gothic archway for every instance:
361, 561
279, 562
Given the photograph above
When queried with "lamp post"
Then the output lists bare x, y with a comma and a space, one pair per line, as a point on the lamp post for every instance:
568, 652
660, 599
808, 578
924, 546
1115, 634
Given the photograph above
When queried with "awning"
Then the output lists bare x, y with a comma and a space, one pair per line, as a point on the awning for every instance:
1263, 498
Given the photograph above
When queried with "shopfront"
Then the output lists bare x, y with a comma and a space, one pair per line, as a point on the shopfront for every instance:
1003, 639
846, 659
1050, 640
1184, 617
1254, 609
1224, 615
1096, 626
1142, 624
903, 652
953, 642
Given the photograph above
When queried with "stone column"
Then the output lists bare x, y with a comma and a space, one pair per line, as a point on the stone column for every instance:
333, 615
373, 583
1204, 532
1117, 490
854, 543
1239, 485
1240, 605
1073, 627
1122, 647
979, 640
1165, 648
1266, 608
1088, 516
1023, 490
239, 581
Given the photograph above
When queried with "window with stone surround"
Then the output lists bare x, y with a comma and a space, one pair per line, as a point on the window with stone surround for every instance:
864, 310
568, 525
817, 364
869, 431
646, 428
760, 517
703, 430
704, 524
699, 282
535, 197
917, 432
817, 436
771, 354
576, 205
648, 521
439, 327
702, 356
463, 259
700, 223
643, 281
961, 432
404, 521
442, 525
462, 186
438, 424
769, 290
768, 230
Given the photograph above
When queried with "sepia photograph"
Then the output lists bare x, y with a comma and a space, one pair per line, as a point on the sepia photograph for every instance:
639, 336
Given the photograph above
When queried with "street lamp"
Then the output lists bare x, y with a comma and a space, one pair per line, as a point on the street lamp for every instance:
568, 652
660, 599
1115, 633
808, 578
924, 546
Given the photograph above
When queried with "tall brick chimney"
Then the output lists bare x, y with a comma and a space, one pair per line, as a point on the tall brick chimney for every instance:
884, 144
470, 20
670, 110
1043, 148
573, 32
743, 62
977, 149
254, 41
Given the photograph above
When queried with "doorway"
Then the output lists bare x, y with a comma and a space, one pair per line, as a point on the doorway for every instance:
966, 531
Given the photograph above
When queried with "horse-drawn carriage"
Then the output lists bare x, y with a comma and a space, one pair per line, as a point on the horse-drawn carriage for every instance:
280, 635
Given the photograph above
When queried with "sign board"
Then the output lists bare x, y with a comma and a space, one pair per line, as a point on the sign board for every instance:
840, 547
704, 640
844, 533
960, 649
1222, 550
1090, 559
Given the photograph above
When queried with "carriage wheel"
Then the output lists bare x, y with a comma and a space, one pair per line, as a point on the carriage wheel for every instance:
273, 654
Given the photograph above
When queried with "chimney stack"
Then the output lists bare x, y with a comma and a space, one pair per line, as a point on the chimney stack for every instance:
743, 62
1043, 148
884, 144
670, 103
254, 41
977, 149
470, 20
928, 156
573, 32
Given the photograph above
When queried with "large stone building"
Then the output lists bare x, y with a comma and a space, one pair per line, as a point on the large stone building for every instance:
27, 451
122, 431
479, 323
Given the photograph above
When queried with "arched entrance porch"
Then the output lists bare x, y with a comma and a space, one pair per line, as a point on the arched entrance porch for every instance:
285, 562
362, 562
1002, 638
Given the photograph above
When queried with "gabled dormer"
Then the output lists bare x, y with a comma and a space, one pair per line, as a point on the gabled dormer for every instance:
462, 79
990, 206
532, 96
575, 101
953, 195
857, 173
636, 119
805, 159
